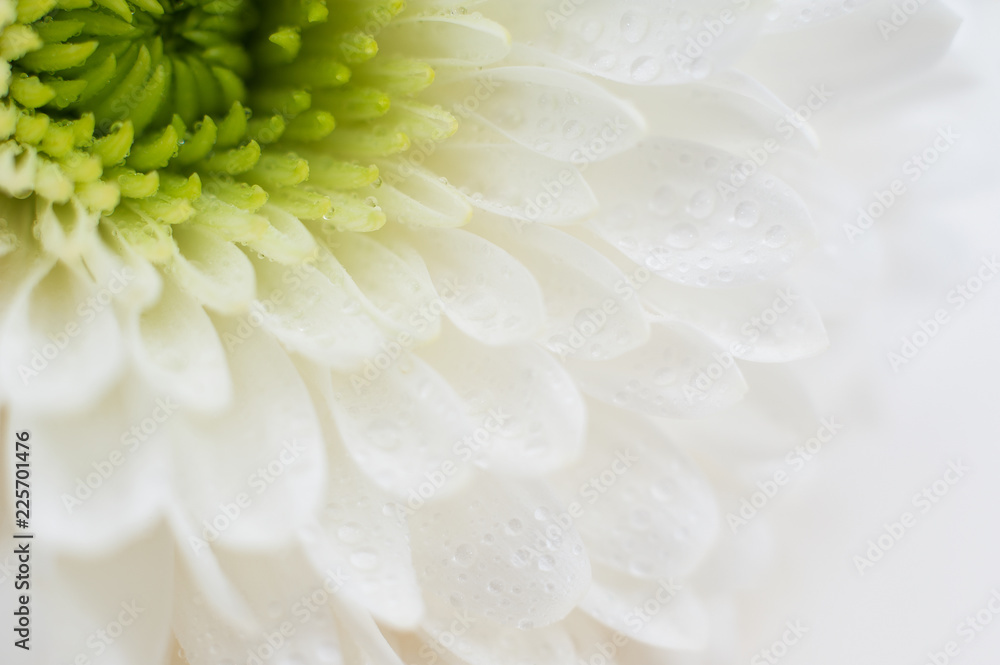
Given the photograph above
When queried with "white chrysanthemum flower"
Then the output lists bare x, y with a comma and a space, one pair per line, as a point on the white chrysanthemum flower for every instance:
347, 332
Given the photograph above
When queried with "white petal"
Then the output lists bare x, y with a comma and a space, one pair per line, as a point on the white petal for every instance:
62, 342
399, 420
415, 196
21, 263
587, 318
201, 581
633, 41
482, 288
676, 374
486, 642
178, 350
642, 507
17, 168
620, 603
557, 114
64, 229
398, 286
258, 468
362, 531
495, 551
118, 605
855, 52
363, 640
112, 261
510, 180
768, 322
286, 240
364, 534
671, 206
111, 460
441, 5
795, 14
313, 308
281, 589
531, 415
212, 270
775, 416
729, 111
446, 39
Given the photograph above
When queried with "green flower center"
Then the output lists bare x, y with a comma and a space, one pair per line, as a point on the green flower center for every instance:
156, 113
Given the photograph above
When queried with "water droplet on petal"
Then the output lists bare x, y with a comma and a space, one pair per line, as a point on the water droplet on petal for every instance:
702, 204
634, 27
776, 237
644, 69
465, 554
747, 214
682, 236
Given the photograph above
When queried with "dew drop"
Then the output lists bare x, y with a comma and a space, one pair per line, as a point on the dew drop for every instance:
634, 27
350, 533
384, 435
665, 377
479, 306
351, 306
644, 69
702, 204
701, 68
682, 236
662, 490
603, 60
364, 559
572, 129
747, 214
592, 30
776, 236
465, 554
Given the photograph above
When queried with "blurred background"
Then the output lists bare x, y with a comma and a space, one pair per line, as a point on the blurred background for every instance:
905, 421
